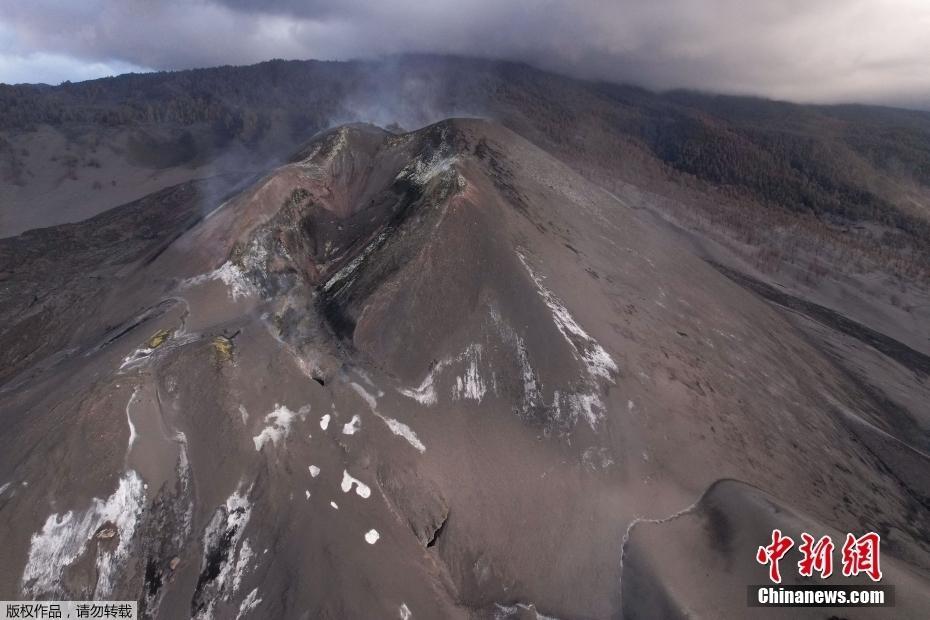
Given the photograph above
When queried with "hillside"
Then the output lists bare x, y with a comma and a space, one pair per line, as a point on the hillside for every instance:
432, 374
840, 164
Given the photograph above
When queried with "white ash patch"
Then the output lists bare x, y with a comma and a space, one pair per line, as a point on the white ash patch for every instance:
243, 414
566, 407
519, 610
334, 505
402, 430
308, 362
367, 396
184, 477
133, 435
347, 273
335, 144
250, 602
231, 275
427, 166
395, 426
422, 171
279, 425
216, 210
221, 543
242, 565
532, 396
531, 392
4, 487
307, 494
368, 381
361, 489
595, 357
657, 521
595, 458
372, 536
64, 538
425, 393
404, 611
324, 421
145, 354
235, 280
136, 358
314, 471
352, 426
470, 385
586, 405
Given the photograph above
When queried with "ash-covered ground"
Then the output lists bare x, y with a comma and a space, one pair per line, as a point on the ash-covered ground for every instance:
434, 374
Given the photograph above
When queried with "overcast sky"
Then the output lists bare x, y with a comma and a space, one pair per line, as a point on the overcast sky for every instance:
806, 50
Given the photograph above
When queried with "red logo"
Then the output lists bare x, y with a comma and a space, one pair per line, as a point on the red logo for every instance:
817, 556
773, 553
860, 555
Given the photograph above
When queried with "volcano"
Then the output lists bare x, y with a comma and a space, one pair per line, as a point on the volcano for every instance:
433, 374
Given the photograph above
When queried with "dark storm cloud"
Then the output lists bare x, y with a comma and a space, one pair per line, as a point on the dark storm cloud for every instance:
806, 50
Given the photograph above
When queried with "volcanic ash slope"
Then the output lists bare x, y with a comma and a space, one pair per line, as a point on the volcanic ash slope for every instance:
427, 375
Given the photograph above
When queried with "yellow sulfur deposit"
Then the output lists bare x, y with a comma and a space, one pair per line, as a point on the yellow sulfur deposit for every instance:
223, 347
158, 339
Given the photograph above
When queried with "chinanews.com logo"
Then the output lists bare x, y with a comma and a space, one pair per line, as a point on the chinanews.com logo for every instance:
858, 556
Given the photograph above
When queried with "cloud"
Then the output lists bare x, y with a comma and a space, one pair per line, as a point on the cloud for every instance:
47, 68
812, 50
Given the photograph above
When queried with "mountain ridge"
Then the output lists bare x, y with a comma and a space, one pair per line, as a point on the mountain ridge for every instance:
530, 366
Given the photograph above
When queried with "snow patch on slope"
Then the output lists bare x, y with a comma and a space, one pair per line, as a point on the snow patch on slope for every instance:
428, 165
425, 394
184, 477
361, 489
242, 565
222, 555
402, 430
532, 396
395, 426
519, 610
64, 538
279, 425
352, 426
566, 407
133, 435
370, 399
249, 603
136, 358
232, 276
346, 273
595, 357
145, 354
587, 405
470, 385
